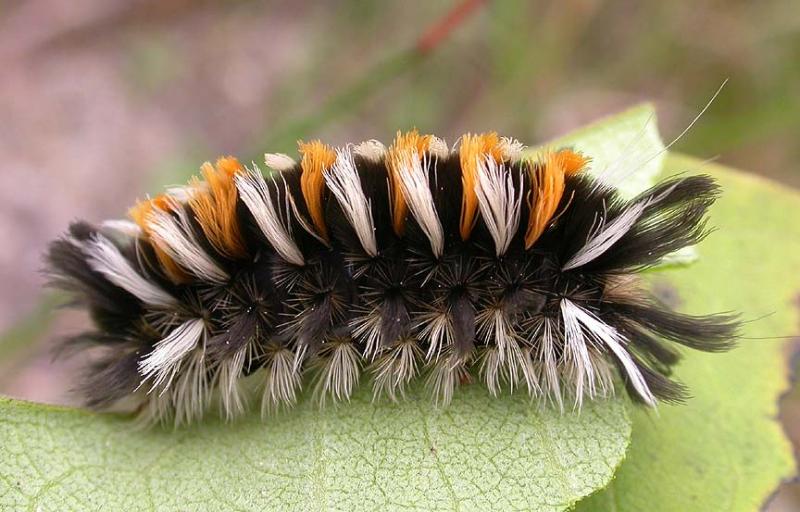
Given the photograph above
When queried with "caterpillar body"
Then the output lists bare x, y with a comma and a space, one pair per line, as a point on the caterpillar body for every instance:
368, 265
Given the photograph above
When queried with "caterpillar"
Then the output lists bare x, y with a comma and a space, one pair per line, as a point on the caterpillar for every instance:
368, 265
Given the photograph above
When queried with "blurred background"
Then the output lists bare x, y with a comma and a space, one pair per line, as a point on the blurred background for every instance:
102, 101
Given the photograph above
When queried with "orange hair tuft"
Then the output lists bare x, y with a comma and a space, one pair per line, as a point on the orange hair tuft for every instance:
472, 149
405, 145
215, 207
571, 162
547, 188
317, 157
140, 213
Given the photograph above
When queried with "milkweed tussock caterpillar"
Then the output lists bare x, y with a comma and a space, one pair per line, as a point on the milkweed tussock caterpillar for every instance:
367, 265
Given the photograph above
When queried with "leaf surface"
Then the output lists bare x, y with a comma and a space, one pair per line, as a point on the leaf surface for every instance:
478, 454
724, 449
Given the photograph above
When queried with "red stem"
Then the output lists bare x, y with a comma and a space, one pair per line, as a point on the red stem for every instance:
449, 22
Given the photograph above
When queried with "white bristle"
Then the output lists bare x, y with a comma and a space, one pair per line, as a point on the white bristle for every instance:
125, 227
282, 381
367, 329
164, 361
436, 330
340, 371
104, 257
438, 148
576, 354
445, 376
279, 162
499, 202
227, 380
371, 150
511, 148
414, 173
175, 237
605, 236
343, 180
608, 336
190, 391
494, 328
274, 224
183, 193
395, 369
547, 332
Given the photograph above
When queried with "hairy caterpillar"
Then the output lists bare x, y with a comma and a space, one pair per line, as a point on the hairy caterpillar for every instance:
416, 261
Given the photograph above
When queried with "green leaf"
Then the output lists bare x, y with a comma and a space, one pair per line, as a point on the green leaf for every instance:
480, 453
724, 449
